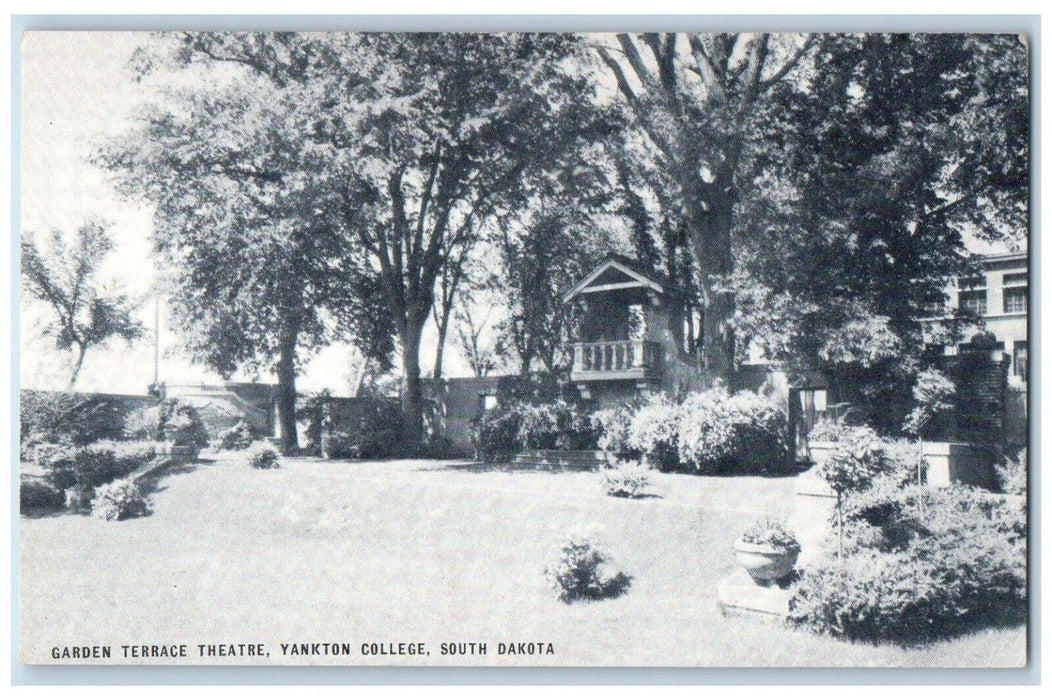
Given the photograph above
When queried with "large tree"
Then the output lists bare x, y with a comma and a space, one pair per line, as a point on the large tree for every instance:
696, 101
247, 219
65, 277
445, 134
901, 148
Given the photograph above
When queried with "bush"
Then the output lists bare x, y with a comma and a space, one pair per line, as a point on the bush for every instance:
237, 437
584, 569
67, 417
556, 425
36, 494
360, 428
654, 433
495, 434
721, 433
1011, 474
611, 427
88, 466
170, 421
856, 459
626, 479
119, 501
920, 564
261, 455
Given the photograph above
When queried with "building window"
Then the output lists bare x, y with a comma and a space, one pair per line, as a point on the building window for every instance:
1015, 293
1019, 360
973, 301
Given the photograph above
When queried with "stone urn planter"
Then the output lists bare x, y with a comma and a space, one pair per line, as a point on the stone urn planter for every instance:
768, 551
766, 563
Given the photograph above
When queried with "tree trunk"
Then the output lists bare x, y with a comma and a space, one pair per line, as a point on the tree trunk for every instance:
81, 349
443, 327
286, 394
712, 250
412, 396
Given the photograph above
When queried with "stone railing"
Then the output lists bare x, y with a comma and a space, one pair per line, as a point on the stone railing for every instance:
614, 356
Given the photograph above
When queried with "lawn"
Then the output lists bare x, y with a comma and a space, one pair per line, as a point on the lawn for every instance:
423, 551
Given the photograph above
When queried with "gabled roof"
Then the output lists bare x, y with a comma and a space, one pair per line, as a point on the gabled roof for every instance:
632, 279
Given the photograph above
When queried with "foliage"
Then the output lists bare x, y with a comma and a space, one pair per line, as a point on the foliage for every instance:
612, 427
933, 393
856, 459
722, 433
67, 417
1011, 474
855, 221
625, 479
120, 500
515, 426
362, 428
584, 569
772, 533
88, 466
64, 277
495, 434
237, 437
827, 430
699, 108
261, 455
921, 564
654, 432
171, 421
36, 494
555, 425
247, 217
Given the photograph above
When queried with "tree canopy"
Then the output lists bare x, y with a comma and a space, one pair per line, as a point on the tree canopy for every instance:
65, 277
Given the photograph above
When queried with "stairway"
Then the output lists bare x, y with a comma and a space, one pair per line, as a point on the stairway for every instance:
561, 460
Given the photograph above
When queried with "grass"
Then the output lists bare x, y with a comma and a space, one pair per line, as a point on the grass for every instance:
425, 551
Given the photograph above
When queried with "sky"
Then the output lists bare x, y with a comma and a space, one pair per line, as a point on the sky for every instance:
76, 91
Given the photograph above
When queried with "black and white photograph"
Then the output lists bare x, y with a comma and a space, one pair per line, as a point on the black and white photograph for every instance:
524, 349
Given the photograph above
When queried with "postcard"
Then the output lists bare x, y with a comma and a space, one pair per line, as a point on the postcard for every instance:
524, 349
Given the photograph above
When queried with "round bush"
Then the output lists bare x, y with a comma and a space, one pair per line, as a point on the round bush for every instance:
36, 494
721, 433
240, 436
262, 455
583, 569
654, 433
626, 479
119, 500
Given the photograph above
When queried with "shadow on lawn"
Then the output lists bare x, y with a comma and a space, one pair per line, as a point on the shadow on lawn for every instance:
506, 468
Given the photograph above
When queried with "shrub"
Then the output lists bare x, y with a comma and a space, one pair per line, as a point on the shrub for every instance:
119, 501
360, 428
88, 466
170, 421
856, 459
584, 569
721, 433
67, 417
261, 455
495, 434
612, 426
626, 479
653, 433
827, 430
554, 425
921, 564
1011, 474
36, 494
237, 437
